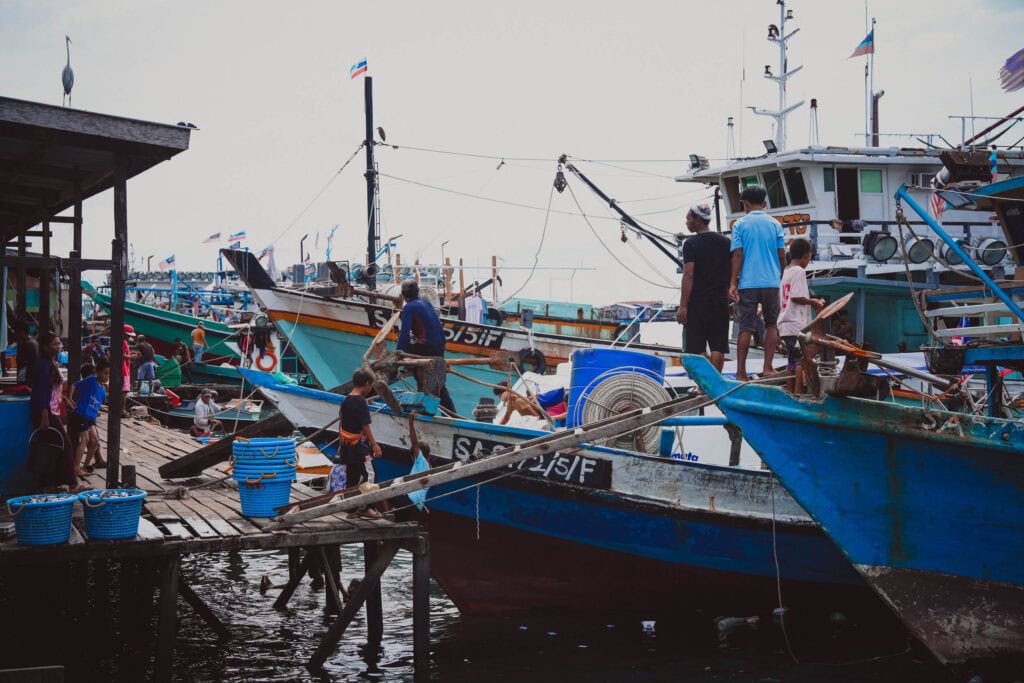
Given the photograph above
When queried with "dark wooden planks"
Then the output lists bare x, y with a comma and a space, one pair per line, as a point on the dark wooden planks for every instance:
219, 451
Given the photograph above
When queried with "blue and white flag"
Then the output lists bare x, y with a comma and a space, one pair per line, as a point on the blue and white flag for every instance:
357, 68
236, 236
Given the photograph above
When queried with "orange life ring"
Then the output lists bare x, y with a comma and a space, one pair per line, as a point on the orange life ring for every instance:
273, 361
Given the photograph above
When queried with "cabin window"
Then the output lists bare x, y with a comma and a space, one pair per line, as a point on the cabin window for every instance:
732, 192
776, 192
795, 185
870, 180
829, 178
750, 181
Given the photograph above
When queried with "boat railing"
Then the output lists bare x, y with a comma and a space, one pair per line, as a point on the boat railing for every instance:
854, 239
632, 328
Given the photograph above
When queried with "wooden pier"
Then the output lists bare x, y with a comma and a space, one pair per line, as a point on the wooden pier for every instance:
202, 514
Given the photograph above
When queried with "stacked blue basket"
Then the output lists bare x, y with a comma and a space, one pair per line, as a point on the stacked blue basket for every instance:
112, 513
43, 519
264, 470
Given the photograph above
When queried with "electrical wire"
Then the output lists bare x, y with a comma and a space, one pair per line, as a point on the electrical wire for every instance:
536, 255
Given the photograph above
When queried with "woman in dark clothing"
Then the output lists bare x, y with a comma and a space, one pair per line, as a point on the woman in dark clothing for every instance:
44, 411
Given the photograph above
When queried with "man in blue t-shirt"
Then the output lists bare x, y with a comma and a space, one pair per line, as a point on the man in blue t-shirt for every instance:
758, 259
423, 335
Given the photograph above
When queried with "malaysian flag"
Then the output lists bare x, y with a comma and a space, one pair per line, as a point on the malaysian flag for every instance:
1011, 76
215, 237
357, 68
263, 254
937, 205
236, 236
167, 263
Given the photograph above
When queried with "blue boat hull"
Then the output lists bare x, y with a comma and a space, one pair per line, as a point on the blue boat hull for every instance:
543, 547
928, 505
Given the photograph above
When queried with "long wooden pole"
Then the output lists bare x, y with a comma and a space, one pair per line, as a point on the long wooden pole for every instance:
549, 443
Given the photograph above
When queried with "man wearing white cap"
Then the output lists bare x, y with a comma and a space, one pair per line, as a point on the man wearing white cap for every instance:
704, 300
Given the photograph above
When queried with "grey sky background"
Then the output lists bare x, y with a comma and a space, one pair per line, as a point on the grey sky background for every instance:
635, 86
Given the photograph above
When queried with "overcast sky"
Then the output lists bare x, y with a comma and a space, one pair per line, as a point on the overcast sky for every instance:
636, 86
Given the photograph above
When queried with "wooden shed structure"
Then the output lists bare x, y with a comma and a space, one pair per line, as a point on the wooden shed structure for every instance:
52, 159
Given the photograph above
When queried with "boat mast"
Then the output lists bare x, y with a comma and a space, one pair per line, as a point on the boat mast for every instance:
372, 238
777, 34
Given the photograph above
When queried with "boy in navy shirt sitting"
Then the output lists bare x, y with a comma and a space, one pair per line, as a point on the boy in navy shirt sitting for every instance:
89, 394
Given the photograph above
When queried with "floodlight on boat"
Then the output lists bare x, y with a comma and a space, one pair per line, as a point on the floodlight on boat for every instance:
880, 246
990, 251
919, 249
769, 146
950, 256
698, 163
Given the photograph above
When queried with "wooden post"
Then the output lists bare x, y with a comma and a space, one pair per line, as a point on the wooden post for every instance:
333, 600
294, 559
398, 268
74, 334
167, 623
22, 286
128, 479
374, 602
44, 286
447, 280
117, 278
370, 582
421, 605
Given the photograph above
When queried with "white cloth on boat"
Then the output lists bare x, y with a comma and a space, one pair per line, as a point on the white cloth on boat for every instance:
475, 309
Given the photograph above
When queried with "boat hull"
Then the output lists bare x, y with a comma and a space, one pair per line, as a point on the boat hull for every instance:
928, 505
577, 527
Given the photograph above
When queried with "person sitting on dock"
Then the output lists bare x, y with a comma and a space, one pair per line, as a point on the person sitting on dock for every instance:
88, 395
423, 335
796, 302
357, 444
758, 258
704, 297
204, 422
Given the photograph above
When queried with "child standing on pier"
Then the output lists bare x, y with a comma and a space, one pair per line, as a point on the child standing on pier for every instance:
88, 395
357, 444
796, 302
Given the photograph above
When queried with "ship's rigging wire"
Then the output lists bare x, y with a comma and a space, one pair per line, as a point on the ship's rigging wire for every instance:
536, 255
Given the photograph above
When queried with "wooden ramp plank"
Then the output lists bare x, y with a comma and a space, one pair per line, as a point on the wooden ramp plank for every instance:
234, 517
219, 451
193, 520
211, 517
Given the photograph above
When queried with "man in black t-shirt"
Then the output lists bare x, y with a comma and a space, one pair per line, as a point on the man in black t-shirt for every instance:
704, 299
357, 438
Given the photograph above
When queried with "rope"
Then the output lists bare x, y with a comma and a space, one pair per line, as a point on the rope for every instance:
619, 393
901, 221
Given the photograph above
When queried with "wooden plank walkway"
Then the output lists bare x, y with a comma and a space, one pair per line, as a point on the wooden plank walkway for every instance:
199, 514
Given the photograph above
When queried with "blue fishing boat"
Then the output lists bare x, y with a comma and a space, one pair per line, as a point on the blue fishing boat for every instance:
602, 529
927, 504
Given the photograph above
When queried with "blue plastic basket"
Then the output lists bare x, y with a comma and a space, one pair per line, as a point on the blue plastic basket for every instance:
253, 472
262, 498
268, 449
111, 517
43, 519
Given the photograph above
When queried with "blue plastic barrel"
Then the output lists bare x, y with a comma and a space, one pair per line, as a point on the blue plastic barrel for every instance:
591, 366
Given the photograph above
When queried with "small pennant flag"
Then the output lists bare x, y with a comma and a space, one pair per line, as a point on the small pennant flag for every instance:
167, 263
866, 47
235, 245
236, 236
1011, 76
215, 237
357, 69
264, 253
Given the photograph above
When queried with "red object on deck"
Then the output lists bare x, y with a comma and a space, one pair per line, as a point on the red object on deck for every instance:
174, 398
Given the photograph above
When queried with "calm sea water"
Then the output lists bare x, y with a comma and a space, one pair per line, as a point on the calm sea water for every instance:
274, 646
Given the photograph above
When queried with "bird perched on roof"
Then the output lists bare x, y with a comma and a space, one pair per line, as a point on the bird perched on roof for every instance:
67, 77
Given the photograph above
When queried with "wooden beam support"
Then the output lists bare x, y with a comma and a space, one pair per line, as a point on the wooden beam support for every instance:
374, 601
117, 278
167, 624
203, 610
421, 606
359, 596
294, 579
333, 599
55, 262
